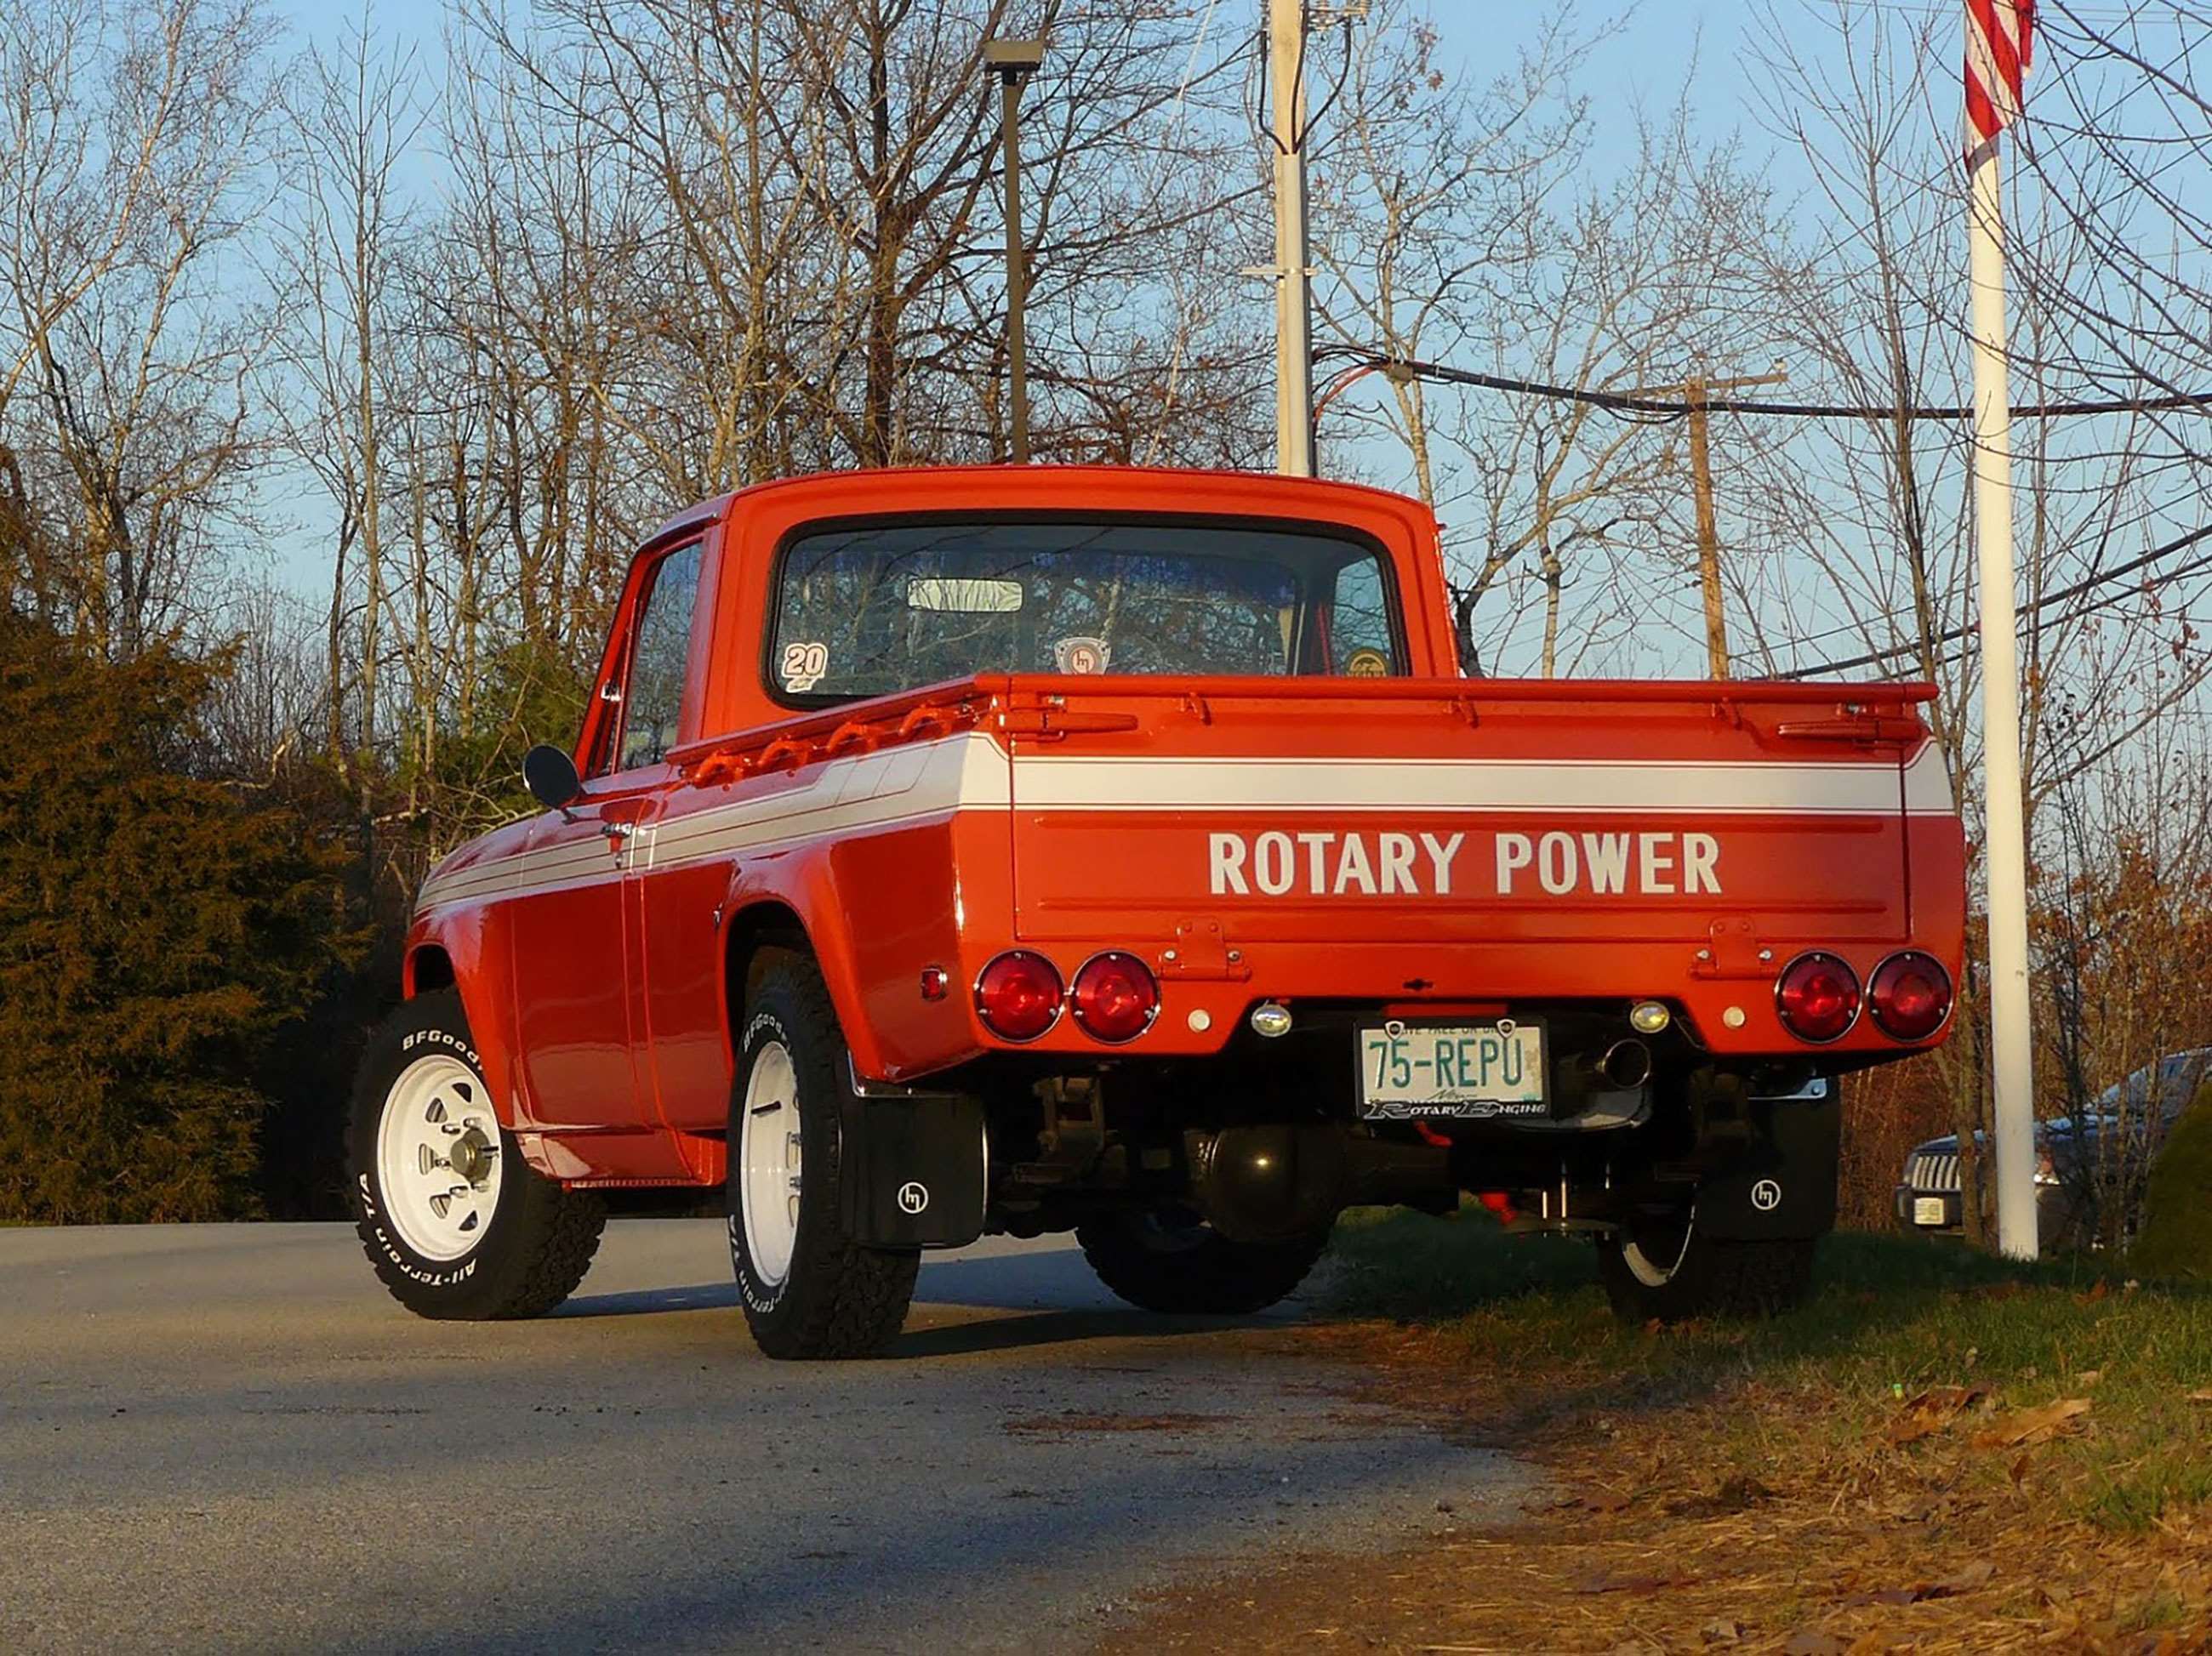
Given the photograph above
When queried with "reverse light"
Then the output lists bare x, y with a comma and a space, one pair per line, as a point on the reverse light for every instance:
1910, 996
1116, 997
1817, 996
1018, 994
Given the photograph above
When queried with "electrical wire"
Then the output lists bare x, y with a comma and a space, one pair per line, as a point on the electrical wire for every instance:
1623, 402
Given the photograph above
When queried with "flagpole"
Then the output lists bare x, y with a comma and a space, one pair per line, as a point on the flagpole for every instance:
2004, 851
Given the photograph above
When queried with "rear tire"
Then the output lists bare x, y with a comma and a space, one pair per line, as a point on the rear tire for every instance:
808, 1289
1177, 1264
458, 1225
1662, 1268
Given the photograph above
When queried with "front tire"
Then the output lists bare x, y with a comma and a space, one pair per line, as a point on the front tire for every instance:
1662, 1268
808, 1289
458, 1225
1177, 1264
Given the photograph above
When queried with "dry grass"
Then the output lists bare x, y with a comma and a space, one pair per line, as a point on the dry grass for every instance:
1939, 1453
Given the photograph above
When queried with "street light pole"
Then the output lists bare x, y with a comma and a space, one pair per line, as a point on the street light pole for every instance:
1294, 410
1013, 62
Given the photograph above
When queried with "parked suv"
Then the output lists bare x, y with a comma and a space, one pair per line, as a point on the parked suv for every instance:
2130, 1121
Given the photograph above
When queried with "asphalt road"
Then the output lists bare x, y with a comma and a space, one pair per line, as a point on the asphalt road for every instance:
228, 1437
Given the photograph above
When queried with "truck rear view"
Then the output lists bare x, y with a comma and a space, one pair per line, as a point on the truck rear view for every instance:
1146, 869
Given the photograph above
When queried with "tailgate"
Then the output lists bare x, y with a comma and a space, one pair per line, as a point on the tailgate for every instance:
1361, 811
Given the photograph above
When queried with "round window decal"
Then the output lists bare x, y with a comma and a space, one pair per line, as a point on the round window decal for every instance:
1367, 663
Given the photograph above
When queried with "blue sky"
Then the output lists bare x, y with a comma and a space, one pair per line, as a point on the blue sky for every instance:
1655, 48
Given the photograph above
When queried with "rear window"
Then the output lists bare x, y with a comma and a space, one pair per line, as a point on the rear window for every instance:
870, 610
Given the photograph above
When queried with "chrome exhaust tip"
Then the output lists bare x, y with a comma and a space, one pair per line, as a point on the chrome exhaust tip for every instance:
1626, 1064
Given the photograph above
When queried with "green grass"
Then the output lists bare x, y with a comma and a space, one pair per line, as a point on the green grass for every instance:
1891, 1317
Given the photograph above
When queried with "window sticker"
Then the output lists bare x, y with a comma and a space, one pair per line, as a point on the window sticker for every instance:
1081, 655
803, 665
1367, 663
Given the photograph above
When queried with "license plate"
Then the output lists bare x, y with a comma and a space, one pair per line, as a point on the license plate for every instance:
1927, 1211
1469, 1071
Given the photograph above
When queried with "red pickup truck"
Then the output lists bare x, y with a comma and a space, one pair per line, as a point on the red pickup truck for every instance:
1122, 851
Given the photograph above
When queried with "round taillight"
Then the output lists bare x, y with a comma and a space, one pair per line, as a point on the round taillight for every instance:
1115, 997
1817, 996
1910, 996
1018, 996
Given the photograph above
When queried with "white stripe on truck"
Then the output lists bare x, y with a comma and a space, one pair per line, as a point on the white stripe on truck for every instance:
928, 781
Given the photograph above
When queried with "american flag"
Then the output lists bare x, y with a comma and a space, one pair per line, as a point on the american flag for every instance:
1999, 40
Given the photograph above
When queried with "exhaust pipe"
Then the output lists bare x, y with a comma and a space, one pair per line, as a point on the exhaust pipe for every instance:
1626, 1064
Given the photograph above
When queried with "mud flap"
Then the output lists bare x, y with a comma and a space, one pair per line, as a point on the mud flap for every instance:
1782, 1181
912, 1170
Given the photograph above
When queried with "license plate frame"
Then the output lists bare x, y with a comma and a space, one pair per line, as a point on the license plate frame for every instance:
1930, 1212
1530, 1040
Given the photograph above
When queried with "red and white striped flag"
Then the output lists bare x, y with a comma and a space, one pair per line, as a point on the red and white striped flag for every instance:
2000, 36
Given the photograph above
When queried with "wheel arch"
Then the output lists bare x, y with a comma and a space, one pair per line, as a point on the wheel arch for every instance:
441, 956
794, 904
760, 926
428, 967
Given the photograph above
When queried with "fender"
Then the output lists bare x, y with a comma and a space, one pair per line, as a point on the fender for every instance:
487, 991
872, 907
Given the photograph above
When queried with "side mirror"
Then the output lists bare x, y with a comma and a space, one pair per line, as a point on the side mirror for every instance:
550, 776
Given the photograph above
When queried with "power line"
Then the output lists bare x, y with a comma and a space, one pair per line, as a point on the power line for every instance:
1628, 403
2090, 583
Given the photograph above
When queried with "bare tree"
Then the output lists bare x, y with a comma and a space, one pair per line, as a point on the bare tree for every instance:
133, 141
354, 110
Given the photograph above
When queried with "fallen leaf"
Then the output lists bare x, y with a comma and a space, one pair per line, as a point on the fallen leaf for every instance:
1811, 1641
1932, 1411
2024, 1426
2018, 1471
1607, 1500
1978, 1574
1721, 1631
2089, 1376
2095, 1294
2204, 1396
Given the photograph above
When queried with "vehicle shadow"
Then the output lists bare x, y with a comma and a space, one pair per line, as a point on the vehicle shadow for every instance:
1053, 1299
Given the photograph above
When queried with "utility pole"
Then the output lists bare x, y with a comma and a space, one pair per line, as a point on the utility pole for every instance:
1696, 391
2012, 1049
1286, 63
1013, 62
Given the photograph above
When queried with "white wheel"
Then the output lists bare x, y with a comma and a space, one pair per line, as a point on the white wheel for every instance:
808, 1289
769, 1157
1662, 1268
437, 1157
1654, 1255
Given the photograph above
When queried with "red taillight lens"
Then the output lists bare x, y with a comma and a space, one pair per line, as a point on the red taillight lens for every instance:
1116, 998
1817, 996
1910, 996
1018, 996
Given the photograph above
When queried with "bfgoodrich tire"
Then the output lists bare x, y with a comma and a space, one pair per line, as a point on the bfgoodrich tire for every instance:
456, 1222
1663, 1268
1176, 1263
808, 1289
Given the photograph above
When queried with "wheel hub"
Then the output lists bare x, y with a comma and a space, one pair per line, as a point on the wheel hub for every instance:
470, 1155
